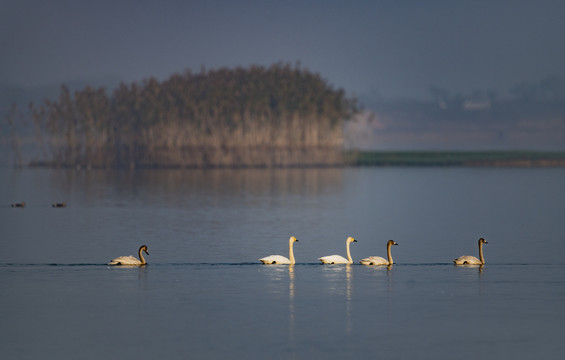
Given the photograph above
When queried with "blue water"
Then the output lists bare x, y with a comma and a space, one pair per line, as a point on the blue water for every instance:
204, 294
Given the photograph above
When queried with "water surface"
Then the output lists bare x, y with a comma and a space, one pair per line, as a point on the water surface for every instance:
204, 294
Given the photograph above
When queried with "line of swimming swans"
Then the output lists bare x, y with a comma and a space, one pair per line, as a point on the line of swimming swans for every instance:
371, 260
330, 259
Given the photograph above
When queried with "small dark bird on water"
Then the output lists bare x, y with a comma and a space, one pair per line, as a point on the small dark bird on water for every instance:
59, 204
21, 204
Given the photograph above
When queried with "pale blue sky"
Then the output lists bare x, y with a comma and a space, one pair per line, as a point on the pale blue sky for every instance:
394, 48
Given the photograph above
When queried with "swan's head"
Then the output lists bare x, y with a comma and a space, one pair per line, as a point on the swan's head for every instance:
391, 242
292, 239
350, 240
144, 249
482, 241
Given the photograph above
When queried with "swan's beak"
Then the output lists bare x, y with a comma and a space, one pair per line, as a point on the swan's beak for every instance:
354, 240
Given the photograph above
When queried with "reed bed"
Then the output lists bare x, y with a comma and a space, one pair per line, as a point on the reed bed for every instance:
280, 115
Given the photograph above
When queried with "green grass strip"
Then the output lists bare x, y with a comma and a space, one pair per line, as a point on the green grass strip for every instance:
455, 158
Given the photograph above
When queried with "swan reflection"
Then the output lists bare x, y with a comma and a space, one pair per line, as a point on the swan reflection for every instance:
348, 298
340, 282
291, 314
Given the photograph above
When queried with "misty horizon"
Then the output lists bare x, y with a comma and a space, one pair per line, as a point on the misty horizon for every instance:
380, 49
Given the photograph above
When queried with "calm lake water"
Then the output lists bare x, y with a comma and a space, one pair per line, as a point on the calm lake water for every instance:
204, 294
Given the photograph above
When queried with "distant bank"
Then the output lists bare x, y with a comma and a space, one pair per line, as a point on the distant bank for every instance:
521, 159
279, 116
457, 158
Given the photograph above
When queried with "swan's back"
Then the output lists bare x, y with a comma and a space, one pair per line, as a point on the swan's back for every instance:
333, 259
125, 260
467, 260
275, 259
374, 260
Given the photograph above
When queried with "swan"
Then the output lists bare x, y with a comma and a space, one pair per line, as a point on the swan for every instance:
337, 259
130, 260
279, 259
377, 260
471, 260
21, 204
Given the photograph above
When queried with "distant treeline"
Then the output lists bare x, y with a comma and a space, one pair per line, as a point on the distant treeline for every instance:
280, 115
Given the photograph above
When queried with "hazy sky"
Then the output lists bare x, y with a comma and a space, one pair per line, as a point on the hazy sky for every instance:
393, 48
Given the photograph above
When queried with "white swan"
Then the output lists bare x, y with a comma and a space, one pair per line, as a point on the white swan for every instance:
377, 260
279, 259
130, 260
337, 259
471, 260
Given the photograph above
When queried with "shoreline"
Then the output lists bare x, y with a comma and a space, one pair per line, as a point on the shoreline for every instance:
427, 158
496, 158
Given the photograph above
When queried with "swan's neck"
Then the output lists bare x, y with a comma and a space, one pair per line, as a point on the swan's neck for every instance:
481, 257
291, 253
388, 253
349, 253
141, 258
